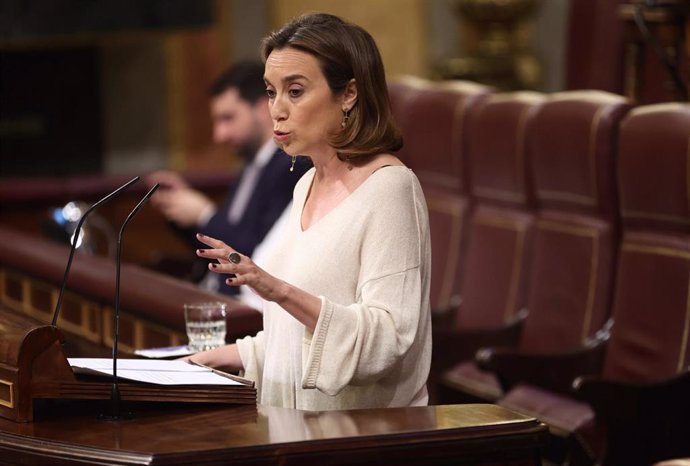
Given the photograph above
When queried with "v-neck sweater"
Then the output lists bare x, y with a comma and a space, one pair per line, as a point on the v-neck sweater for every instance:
369, 261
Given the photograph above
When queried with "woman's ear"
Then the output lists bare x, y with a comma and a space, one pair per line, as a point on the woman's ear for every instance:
350, 94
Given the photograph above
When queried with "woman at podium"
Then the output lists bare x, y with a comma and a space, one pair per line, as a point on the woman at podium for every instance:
346, 314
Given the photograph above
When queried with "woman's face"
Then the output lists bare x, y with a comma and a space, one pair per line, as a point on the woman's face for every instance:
304, 111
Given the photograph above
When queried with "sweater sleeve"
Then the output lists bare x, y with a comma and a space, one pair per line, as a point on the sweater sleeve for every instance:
361, 342
252, 355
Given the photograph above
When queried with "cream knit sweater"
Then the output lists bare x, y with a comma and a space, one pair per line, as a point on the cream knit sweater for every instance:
369, 260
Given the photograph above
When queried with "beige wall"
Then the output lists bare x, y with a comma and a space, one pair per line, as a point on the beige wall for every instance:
398, 26
135, 107
156, 110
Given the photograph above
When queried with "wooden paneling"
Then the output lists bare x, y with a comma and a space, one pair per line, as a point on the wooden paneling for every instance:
31, 271
398, 26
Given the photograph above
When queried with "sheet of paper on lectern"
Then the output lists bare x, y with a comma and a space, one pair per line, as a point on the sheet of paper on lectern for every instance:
153, 371
166, 352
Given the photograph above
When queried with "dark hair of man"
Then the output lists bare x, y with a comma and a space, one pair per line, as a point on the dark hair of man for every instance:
346, 51
245, 76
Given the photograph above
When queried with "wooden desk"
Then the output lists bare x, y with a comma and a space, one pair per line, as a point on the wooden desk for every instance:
477, 434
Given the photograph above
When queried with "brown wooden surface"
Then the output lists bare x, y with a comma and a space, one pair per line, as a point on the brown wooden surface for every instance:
461, 434
34, 366
69, 431
31, 271
25, 205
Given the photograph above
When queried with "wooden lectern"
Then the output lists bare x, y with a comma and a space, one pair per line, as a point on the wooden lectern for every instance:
30, 354
33, 366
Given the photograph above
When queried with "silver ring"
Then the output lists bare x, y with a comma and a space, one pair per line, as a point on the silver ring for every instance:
234, 258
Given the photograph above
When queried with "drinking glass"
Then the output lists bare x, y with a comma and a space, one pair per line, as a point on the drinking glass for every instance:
205, 324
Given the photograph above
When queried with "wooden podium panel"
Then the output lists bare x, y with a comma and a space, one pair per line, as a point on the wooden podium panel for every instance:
59, 427
68, 433
34, 367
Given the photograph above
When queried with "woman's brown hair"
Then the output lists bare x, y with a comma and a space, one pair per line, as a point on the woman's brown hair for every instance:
346, 51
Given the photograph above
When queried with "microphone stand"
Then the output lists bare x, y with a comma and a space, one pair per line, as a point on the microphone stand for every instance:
75, 238
115, 398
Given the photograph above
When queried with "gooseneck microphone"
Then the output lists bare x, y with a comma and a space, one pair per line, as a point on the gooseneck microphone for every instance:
115, 398
75, 239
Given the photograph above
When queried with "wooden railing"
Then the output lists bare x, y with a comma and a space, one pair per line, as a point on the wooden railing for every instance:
27, 202
31, 271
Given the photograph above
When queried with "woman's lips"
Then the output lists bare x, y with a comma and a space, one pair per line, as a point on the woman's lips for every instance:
280, 136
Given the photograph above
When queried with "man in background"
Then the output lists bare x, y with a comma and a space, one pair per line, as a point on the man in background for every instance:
241, 121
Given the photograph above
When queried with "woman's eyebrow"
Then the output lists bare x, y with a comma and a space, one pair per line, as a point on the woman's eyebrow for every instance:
294, 77
288, 78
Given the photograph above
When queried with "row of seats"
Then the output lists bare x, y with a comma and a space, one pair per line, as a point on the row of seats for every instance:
561, 248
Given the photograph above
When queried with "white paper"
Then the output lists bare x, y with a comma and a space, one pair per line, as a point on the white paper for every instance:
154, 371
166, 352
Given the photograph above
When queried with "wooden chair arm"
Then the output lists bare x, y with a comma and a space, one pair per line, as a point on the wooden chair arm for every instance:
614, 398
644, 422
454, 346
554, 372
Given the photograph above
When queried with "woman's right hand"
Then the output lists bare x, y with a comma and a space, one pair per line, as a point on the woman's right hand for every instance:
243, 272
303, 306
227, 357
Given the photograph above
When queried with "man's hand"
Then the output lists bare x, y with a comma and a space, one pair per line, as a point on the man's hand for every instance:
183, 206
167, 179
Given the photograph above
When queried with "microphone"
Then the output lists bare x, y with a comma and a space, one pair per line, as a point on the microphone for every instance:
115, 398
75, 238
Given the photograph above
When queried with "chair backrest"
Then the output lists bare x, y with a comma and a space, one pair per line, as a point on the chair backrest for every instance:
595, 49
433, 118
401, 90
651, 332
500, 226
573, 147
447, 227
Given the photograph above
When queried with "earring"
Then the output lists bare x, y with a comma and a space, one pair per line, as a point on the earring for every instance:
346, 116
292, 167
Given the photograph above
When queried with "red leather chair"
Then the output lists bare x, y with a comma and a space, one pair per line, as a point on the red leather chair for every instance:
573, 148
447, 225
401, 91
493, 291
641, 402
572, 145
433, 117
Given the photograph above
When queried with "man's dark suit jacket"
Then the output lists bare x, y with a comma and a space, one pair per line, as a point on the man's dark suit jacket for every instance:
272, 193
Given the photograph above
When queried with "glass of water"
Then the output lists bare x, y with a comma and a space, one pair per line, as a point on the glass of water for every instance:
205, 323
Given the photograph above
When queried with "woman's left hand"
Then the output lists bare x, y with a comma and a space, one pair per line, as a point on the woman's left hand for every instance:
245, 270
